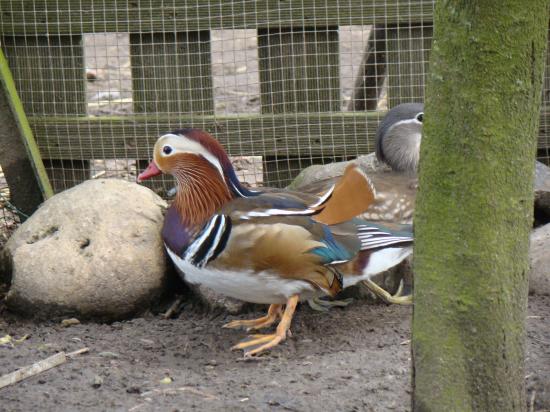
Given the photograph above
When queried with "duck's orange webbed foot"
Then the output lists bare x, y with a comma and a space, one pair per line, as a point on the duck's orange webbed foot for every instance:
256, 344
274, 312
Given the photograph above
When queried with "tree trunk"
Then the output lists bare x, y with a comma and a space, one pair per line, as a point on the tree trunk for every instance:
475, 202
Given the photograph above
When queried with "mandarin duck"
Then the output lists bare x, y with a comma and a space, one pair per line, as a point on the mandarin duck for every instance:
276, 247
398, 137
397, 145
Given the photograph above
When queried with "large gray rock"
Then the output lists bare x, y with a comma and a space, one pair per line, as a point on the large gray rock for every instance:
539, 256
93, 251
318, 173
542, 190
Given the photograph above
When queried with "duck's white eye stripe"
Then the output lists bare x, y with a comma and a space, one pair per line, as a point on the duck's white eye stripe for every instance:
187, 145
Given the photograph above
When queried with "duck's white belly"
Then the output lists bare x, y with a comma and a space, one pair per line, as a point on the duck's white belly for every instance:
262, 287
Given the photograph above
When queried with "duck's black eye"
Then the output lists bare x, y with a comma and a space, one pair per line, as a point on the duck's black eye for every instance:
420, 117
167, 150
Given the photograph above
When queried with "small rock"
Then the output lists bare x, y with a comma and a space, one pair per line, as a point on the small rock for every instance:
94, 251
101, 96
91, 75
107, 354
98, 381
133, 389
70, 322
539, 257
241, 69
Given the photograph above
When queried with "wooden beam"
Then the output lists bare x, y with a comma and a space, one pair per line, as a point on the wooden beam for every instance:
31, 17
372, 72
408, 52
299, 73
171, 74
321, 134
299, 70
317, 134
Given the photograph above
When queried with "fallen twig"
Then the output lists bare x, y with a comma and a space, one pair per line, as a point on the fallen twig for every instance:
107, 102
38, 367
174, 391
71, 355
173, 307
99, 174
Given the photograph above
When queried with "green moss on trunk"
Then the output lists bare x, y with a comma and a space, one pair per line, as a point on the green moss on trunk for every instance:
474, 206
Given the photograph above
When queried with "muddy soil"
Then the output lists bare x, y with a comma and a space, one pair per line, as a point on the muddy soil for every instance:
351, 359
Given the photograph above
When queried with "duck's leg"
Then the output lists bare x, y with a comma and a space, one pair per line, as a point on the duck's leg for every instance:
273, 313
256, 344
386, 296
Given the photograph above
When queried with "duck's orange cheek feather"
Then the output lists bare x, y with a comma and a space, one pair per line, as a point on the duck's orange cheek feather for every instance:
184, 163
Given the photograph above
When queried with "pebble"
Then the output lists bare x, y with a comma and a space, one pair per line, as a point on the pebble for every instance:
70, 322
91, 75
98, 381
108, 354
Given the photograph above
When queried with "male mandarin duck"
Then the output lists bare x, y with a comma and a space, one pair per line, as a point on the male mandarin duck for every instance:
276, 247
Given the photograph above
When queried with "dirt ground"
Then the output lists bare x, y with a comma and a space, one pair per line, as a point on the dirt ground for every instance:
351, 359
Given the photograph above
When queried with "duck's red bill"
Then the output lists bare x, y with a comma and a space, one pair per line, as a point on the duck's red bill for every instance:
152, 170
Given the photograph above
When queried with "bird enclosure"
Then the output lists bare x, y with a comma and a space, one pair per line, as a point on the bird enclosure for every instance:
281, 84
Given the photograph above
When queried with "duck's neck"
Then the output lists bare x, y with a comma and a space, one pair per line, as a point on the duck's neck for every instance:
200, 194
402, 151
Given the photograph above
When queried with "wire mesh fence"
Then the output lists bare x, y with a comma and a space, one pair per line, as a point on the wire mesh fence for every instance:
282, 84
9, 217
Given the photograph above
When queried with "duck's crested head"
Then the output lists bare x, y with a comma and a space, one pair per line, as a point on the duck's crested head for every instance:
178, 152
200, 166
399, 135
192, 154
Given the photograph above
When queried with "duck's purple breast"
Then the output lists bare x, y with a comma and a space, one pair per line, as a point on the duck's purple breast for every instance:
175, 234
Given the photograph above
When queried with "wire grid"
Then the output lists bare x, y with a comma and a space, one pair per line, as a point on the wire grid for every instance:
9, 219
302, 82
